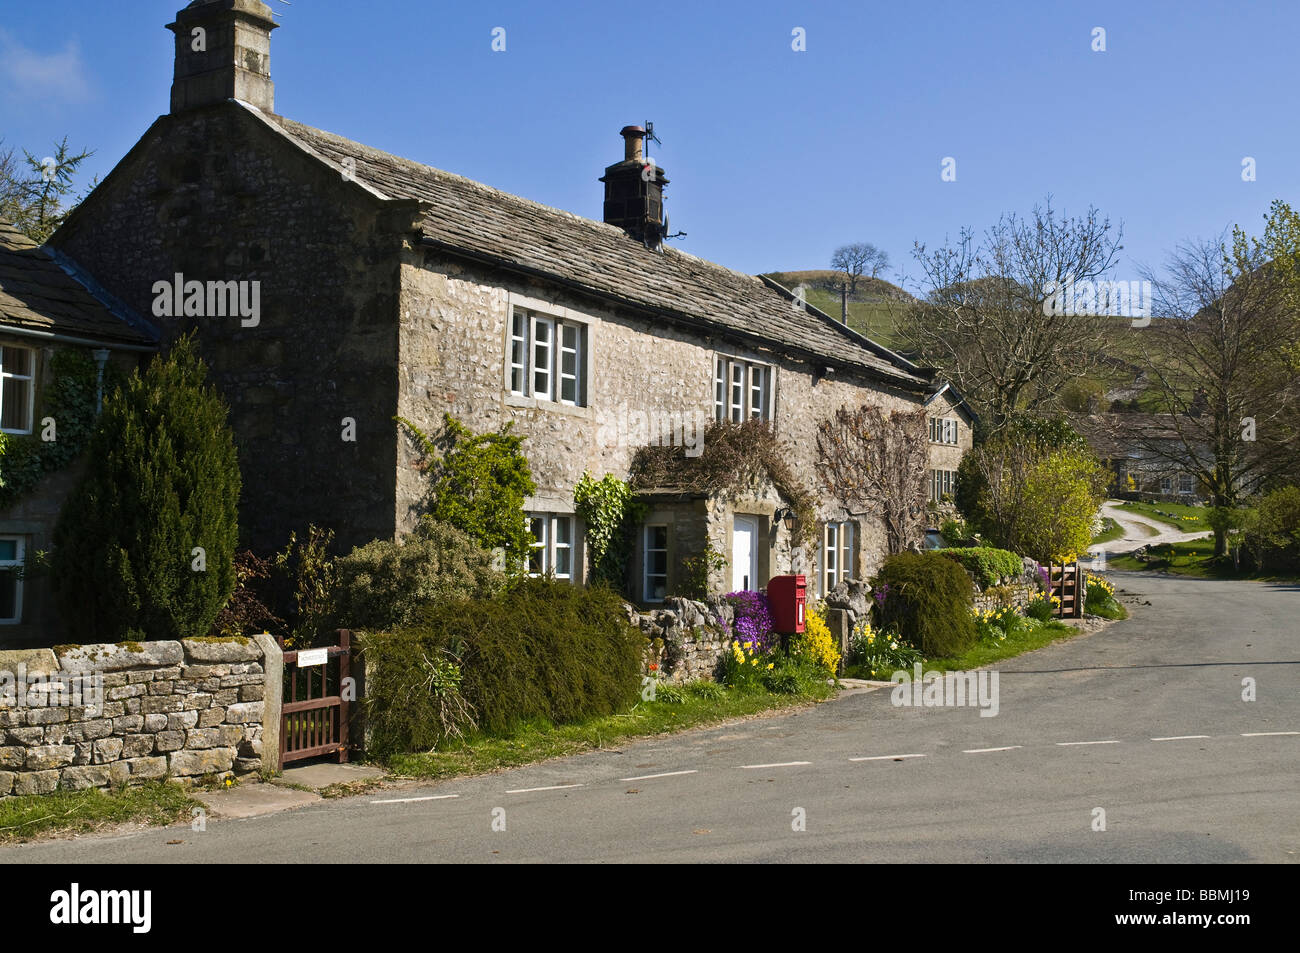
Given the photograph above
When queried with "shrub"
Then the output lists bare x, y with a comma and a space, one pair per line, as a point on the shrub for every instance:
987, 564
384, 585
247, 610
928, 600
145, 544
1034, 488
1272, 529
816, 644
538, 649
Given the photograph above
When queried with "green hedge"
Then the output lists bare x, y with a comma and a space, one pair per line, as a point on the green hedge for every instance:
990, 565
928, 600
539, 649
385, 585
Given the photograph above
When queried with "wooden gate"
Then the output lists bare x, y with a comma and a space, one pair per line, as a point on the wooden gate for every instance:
315, 713
1066, 583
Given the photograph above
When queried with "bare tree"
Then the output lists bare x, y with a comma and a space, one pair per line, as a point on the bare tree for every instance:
1222, 371
858, 259
986, 317
874, 464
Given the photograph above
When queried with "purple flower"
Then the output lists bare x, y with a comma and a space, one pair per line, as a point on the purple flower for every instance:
753, 619
880, 594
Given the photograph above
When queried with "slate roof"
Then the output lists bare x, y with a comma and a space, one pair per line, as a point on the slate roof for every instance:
37, 293
466, 217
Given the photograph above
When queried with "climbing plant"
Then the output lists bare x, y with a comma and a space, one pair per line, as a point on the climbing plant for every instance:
478, 483
734, 457
62, 424
610, 511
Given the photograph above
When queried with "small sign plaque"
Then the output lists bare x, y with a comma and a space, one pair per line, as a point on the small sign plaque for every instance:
313, 657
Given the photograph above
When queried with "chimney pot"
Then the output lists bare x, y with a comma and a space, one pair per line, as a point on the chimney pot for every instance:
633, 139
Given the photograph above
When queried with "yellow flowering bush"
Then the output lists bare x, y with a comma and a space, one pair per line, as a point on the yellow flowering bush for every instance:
816, 644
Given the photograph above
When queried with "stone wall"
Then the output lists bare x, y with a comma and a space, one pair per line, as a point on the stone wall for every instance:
215, 195
1016, 594
145, 710
694, 636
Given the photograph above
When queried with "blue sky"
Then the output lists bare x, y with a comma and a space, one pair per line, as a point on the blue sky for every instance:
775, 157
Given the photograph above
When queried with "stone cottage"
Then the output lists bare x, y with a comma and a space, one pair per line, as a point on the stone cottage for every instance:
372, 286
59, 334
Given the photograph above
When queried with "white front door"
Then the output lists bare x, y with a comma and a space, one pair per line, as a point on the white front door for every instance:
744, 554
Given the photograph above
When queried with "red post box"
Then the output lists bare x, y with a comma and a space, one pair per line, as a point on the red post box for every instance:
787, 595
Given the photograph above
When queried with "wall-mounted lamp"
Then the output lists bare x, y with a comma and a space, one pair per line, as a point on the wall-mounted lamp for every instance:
788, 517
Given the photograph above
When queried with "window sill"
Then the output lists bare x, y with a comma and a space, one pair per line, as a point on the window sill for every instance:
532, 403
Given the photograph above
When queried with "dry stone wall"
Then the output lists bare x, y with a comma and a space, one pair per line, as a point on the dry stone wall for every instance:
89, 716
694, 636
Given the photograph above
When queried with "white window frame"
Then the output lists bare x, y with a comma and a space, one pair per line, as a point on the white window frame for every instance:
742, 389
29, 377
537, 341
837, 553
535, 365
517, 353
1186, 483
943, 430
1166, 484
550, 545
646, 550
20, 556
942, 482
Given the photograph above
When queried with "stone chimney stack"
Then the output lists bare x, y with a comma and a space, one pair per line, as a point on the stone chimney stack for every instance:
223, 51
634, 191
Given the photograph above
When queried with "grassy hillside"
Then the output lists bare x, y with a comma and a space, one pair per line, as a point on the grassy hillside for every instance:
873, 309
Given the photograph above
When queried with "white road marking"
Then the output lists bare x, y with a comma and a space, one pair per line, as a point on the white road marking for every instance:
666, 774
781, 764
888, 757
985, 750
553, 787
1180, 738
1066, 744
1267, 734
412, 800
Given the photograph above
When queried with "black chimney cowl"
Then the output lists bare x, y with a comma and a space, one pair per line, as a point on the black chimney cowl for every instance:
634, 191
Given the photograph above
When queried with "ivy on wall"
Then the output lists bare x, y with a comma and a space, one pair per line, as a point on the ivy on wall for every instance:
62, 424
610, 512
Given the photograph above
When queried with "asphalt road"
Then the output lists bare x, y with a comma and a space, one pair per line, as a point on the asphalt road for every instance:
1081, 724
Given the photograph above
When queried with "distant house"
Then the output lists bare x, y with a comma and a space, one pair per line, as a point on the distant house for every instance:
387, 287
1142, 452
49, 309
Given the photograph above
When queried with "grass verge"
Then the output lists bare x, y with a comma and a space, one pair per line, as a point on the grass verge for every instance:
1178, 516
1110, 531
1194, 558
1022, 639
541, 740
155, 803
